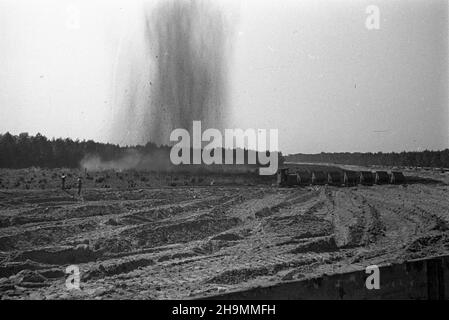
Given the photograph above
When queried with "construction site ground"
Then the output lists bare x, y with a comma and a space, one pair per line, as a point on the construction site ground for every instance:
180, 240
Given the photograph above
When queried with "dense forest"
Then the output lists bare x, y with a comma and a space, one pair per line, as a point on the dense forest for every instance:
410, 159
23, 151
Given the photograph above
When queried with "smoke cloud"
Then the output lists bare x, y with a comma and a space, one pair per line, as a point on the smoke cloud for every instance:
156, 160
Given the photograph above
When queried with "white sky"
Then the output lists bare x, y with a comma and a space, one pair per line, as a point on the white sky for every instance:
308, 68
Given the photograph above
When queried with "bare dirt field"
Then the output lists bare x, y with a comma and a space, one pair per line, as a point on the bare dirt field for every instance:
135, 236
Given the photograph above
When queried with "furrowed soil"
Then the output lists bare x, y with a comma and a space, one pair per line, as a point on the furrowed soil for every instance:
157, 239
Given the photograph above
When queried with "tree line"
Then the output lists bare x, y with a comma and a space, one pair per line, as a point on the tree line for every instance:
24, 150
426, 158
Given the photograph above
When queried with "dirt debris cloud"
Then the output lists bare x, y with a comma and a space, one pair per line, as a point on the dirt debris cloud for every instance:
183, 77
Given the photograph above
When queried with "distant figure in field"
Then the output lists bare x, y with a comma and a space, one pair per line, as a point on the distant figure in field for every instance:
63, 181
80, 184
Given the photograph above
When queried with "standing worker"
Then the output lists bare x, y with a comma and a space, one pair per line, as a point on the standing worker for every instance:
63, 181
80, 183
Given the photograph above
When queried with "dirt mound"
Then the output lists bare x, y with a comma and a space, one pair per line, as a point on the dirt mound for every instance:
10, 268
298, 226
427, 246
319, 244
227, 237
29, 279
245, 274
111, 268
181, 232
179, 255
110, 246
44, 236
61, 255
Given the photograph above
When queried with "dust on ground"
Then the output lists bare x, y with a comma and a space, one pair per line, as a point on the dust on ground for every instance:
196, 239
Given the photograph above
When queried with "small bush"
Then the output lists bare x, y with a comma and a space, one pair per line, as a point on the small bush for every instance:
100, 180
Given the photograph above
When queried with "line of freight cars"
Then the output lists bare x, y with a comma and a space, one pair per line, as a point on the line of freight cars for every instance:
337, 178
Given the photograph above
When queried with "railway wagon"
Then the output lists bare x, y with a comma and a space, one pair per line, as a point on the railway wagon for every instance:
304, 178
397, 177
335, 178
319, 178
350, 178
381, 177
366, 178
292, 180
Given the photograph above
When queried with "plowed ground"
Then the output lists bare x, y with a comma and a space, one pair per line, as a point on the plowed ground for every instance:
193, 241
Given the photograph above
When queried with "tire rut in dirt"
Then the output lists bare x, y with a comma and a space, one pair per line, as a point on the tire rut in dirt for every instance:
356, 221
